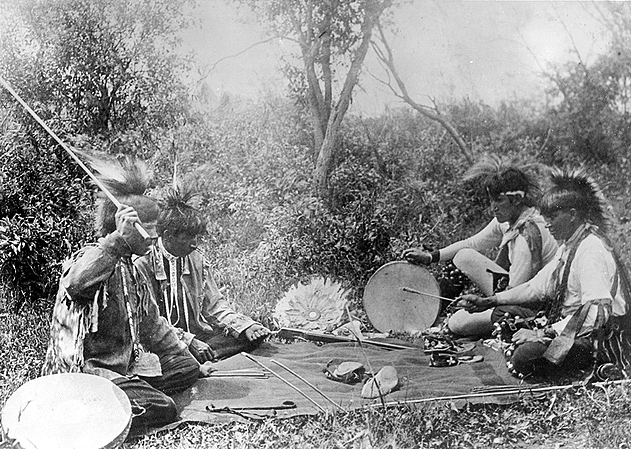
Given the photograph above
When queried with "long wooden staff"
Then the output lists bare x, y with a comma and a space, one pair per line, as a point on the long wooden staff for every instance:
285, 381
96, 181
518, 390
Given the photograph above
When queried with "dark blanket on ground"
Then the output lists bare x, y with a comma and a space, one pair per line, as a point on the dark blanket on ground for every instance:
252, 398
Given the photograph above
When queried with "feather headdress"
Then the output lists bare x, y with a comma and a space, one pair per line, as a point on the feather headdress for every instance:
123, 176
500, 177
574, 189
127, 178
178, 214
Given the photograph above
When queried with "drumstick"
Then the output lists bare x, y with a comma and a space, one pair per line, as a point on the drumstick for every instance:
411, 290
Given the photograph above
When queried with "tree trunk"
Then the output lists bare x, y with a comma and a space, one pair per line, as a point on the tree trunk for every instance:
326, 153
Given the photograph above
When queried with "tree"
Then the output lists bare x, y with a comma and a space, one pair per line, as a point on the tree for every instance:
96, 67
334, 37
384, 53
101, 74
593, 99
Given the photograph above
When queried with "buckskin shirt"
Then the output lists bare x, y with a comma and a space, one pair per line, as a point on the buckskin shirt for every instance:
95, 327
198, 307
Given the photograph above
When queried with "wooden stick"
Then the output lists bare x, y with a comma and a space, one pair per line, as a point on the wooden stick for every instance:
501, 393
330, 338
283, 380
96, 180
411, 290
239, 373
310, 384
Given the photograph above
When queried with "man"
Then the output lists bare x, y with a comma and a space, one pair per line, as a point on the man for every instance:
105, 320
187, 294
585, 287
525, 244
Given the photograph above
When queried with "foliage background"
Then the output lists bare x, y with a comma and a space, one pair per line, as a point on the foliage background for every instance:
395, 182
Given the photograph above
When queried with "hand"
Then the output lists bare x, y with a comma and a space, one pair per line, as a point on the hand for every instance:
125, 218
202, 351
475, 303
528, 335
256, 331
417, 256
206, 368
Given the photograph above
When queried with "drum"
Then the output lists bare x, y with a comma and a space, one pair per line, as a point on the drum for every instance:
67, 411
402, 297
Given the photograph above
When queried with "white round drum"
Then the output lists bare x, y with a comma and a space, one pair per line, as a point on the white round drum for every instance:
67, 411
401, 296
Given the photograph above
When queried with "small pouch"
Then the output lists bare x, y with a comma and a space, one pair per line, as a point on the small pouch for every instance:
345, 372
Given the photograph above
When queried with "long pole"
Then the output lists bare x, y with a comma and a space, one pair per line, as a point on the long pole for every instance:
310, 384
517, 390
285, 381
72, 154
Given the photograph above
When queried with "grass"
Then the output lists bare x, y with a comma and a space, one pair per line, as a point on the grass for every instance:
577, 418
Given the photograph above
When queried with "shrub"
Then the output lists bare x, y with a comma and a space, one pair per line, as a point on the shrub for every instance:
43, 205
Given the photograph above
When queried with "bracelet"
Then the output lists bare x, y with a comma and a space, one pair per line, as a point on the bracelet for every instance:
435, 256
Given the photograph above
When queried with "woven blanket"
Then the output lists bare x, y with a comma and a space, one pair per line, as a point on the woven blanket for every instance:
301, 388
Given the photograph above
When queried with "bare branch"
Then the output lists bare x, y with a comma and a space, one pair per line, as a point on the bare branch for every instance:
387, 58
209, 71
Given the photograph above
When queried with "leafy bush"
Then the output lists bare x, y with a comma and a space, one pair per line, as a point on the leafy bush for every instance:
43, 206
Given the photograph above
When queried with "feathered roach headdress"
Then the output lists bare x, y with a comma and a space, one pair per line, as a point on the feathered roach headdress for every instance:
499, 177
574, 189
127, 178
178, 215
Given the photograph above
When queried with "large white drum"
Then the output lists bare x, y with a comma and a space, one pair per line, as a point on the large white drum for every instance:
67, 411
402, 297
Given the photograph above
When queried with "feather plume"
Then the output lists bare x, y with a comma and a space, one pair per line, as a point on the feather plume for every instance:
580, 191
497, 175
123, 176
490, 165
178, 214
179, 197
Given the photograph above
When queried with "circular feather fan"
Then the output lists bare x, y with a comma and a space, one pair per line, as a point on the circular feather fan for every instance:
318, 305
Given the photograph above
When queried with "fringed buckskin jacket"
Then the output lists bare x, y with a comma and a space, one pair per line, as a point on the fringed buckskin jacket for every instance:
105, 314
207, 310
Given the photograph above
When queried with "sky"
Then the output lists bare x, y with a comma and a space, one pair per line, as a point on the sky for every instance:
484, 50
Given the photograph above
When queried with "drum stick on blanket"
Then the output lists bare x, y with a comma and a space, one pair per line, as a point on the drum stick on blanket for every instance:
94, 179
283, 380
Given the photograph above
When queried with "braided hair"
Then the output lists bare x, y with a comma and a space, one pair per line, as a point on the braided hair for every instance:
177, 215
498, 177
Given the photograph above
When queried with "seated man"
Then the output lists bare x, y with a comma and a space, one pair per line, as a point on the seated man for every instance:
585, 287
520, 232
187, 295
106, 322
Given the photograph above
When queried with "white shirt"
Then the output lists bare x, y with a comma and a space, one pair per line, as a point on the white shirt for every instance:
496, 234
591, 277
